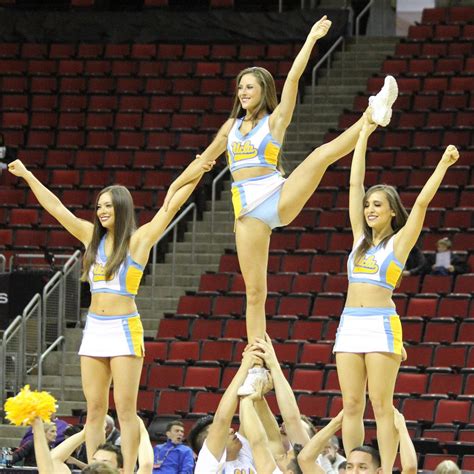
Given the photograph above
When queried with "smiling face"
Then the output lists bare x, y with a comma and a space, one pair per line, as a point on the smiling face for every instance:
249, 92
105, 211
377, 211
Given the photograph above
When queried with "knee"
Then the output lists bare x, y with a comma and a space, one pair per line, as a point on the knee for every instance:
96, 412
353, 405
126, 409
382, 406
256, 294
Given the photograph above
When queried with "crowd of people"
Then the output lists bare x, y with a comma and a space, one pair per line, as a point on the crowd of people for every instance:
369, 344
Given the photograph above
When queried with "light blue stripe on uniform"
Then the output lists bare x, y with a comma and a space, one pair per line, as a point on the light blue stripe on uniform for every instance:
128, 336
388, 332
351, 311
108, 318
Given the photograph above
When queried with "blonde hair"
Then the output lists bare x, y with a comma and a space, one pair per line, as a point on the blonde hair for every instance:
123, 229
447, 467
446, 242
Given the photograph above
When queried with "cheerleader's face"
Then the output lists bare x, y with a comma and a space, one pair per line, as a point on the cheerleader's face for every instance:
377, 211
105, 211
249, 92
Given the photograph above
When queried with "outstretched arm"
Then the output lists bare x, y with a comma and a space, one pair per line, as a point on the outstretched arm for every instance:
257, 438
356, 183
281, 116
408, 457
79, 228
307, 456
285, 397
219, 429
145, 451
148, 234
407, 237
202, 163
63, 451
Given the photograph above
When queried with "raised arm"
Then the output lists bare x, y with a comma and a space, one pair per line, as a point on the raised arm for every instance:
42, 452
281, 116
148, 234
408, 457
202, 163
308, 455
408, 235
285, 397
219, 429
79, 228
145, 451
63, 451
257, 438
356, 182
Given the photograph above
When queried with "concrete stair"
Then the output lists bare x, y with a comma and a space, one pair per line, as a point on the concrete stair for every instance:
331, 98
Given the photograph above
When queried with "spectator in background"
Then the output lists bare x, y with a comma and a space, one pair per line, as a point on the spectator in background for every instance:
447, 467
26, 452
330, 459
173, 457
61, 426
445, 262
415, 263
112, 434
342, 468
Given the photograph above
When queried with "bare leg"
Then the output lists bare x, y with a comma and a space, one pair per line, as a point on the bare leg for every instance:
352, 379
253, 241
96, 377
126, 372
382, 370
304, 180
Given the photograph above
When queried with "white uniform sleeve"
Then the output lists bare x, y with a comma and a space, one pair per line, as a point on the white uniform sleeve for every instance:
207, 463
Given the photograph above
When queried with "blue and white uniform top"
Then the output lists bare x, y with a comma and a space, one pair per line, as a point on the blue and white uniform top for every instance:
255, 149
126, 280
377, 267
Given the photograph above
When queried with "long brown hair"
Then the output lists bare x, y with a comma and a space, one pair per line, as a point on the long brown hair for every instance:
268, 102
398, 220
123, 229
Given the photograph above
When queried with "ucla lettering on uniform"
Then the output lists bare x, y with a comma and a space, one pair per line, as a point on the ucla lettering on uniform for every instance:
368, 264
243, 151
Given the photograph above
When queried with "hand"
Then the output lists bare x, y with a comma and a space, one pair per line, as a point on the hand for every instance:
17, 168
368, 125
450, 269
406, 273
169, 195
398, 419
251, 357
320, 28
404, 354
206, 166
450, 155
257, 395
267, 353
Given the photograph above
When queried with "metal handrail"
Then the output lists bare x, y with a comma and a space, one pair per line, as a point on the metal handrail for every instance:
7, 334
325, 58
364, 11
69, 267
213, 198
57, 279
59, 340
35, 301
173, 227
3, 262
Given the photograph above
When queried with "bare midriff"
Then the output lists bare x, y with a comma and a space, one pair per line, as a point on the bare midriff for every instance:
109, 304
254, 172
365, 295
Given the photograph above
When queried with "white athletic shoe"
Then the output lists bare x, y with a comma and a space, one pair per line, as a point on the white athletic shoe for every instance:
381, 103
254, 374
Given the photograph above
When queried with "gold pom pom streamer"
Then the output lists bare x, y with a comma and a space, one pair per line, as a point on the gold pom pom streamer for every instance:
23, 408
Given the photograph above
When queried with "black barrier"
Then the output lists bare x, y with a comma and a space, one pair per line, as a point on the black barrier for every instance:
16, 290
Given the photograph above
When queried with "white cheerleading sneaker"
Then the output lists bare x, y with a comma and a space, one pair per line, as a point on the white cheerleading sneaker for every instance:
254, 375
381, 103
